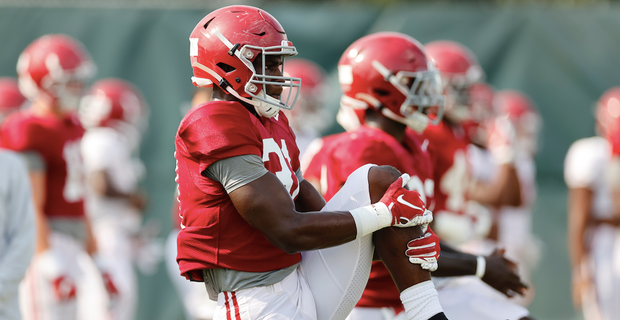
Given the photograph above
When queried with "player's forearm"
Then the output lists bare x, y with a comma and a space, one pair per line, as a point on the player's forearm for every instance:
43, 232
455, 264
503, 190
101, 184
578, 213
314, 230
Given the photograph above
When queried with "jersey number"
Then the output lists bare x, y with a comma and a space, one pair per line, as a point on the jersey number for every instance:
285, 175
454, 181
74, 183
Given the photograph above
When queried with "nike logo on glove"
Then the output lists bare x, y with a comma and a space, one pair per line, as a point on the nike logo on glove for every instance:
403, 201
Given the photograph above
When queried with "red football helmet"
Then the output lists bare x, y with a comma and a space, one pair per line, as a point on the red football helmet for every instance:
309, 109
10, 98
521, 112
54, 67
459, 70
608, 117
390, 72
481, 97
223, 47
110, 101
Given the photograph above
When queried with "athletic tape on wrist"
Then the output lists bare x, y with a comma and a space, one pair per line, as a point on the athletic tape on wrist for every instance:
421, 301
481, 266
371, 218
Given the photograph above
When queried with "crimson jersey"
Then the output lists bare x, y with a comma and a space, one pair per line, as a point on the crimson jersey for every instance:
348, 151
57, 141
447, 147
316, 165
213, 233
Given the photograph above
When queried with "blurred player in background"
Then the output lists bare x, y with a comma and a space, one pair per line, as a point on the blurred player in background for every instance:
224, 149
447, 142
395, 84
309, 117
386, 139
17, 222
11, 99
193, 295
112, 112
456, 221
17, 227
51, 73
513, 144
593, 219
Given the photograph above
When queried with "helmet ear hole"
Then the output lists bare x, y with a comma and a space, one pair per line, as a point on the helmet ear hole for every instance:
226, 67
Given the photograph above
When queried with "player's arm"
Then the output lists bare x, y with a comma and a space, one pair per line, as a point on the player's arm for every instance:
37, 173
101, 183
503, 190
495, 269
579, 203
266, 205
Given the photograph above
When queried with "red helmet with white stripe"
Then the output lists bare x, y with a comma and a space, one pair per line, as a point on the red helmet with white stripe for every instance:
459, 70
390, 72
608, 117
11, 99
225, 44
109, 101
54, 67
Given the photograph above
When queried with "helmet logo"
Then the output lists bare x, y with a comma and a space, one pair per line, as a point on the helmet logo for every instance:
193, 47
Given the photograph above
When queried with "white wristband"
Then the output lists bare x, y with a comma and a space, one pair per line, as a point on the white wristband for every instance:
481, 266
369, 219
421, 301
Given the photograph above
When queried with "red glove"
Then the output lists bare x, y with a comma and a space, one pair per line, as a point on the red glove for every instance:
405, 207
424, 250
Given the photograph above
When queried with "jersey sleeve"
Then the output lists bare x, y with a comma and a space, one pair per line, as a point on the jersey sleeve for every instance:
584, 163
21, 135
235, 172
219, 131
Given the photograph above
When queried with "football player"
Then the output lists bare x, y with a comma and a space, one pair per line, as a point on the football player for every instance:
241, 193
16, 213
111, 112
384, 97
447, 144
593, 220
515, 111
51, 73
448, 141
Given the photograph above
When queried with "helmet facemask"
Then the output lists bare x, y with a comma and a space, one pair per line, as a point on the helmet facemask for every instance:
422, 90
457, 90
264, 104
